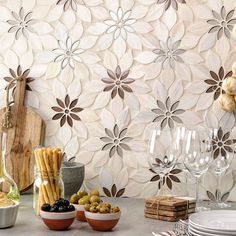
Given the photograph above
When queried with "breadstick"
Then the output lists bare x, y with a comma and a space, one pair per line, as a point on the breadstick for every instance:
55, 168
42, 196
44, 172
50, 177
44, 190
59, 159
50, 157
54, 175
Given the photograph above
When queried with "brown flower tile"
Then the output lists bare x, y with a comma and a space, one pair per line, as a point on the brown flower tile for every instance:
66, 111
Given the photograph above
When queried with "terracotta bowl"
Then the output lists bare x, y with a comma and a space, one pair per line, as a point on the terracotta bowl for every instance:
58, 220
102, 222
80, 212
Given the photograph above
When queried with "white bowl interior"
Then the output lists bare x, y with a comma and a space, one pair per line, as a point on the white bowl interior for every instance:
10, 207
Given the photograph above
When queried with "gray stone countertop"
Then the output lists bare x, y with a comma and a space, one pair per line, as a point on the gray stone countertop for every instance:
132, 222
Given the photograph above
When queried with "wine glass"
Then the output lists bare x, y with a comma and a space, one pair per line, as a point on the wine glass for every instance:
163, 152
197, 156
222, 157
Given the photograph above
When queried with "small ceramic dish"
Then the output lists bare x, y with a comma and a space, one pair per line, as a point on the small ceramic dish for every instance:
102, 222
58, 220
8, 215
80, 212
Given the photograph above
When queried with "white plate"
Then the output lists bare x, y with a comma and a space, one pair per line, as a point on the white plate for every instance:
211, 231
203, 233
193, 233
219, 220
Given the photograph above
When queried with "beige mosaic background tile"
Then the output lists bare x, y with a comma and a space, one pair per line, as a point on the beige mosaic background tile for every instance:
103, 73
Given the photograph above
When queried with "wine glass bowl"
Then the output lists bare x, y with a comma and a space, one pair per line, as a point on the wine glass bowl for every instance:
163, 151
197, 152
198, 165
197, 155
222, 157
221, 164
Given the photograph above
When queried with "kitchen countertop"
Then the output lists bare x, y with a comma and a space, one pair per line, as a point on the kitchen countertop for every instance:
132, 222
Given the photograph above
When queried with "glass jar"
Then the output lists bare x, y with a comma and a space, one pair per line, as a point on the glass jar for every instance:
8, 187
48, 184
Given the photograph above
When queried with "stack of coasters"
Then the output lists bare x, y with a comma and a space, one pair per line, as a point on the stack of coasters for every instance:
169, 208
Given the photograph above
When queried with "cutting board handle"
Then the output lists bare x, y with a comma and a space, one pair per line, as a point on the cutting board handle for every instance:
18, 100
19, 96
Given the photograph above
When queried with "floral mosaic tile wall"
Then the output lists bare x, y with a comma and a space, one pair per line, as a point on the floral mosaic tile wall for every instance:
102, 73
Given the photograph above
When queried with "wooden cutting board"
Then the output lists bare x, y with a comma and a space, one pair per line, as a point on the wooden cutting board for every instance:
26, 134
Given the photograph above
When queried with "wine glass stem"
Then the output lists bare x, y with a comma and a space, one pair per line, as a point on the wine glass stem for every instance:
218, 188
161, 185
197, 189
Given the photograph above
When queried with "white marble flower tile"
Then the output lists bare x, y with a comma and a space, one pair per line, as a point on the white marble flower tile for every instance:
104, 73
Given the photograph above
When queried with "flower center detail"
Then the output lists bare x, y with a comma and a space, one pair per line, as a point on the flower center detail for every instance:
220, 144
168, 113
68, 53
116, 141
169, 53
67, 111
120, 24
22, 24
118, 82
224, 23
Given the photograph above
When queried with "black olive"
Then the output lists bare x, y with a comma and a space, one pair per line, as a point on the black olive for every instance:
63, 209
54, 208
65, 202
46, 207
70, 208
59, 202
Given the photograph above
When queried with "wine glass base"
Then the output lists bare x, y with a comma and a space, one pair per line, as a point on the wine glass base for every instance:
220, 205
202, 208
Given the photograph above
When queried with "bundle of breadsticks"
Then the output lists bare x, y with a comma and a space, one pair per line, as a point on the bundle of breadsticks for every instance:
48, 161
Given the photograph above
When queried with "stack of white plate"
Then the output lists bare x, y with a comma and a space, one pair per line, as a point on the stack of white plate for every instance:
213, 223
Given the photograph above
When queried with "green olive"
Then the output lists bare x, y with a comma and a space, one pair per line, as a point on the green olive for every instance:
115, 209
98, 208
93, 209
94, 204
87, 207
94, 192
106, 204
104, 210
82, 193
84, 200
74, 199
94, 199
